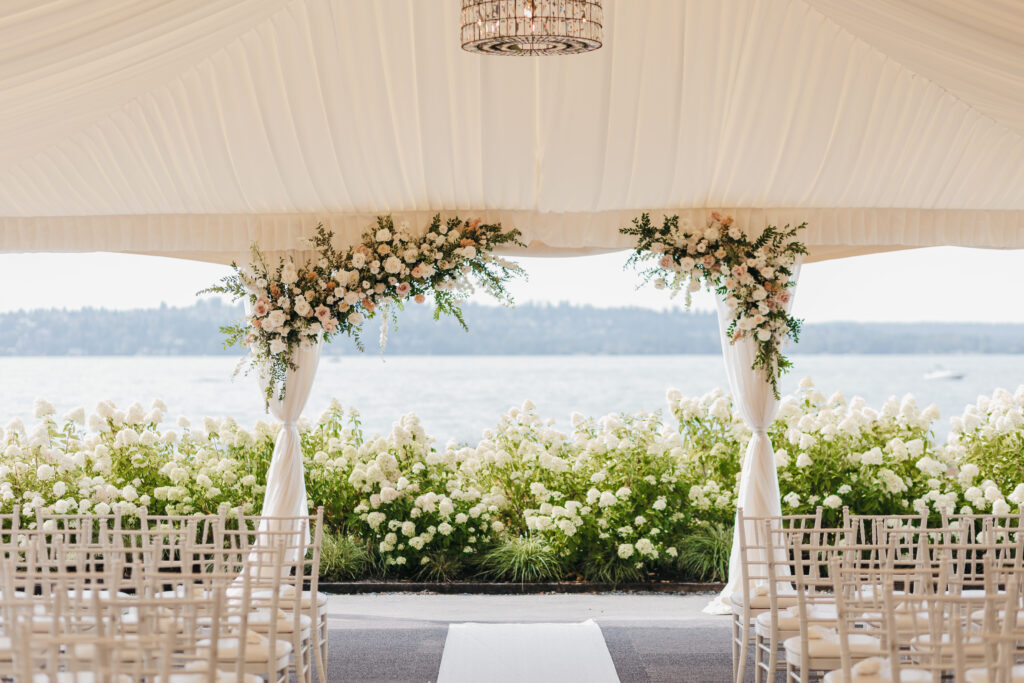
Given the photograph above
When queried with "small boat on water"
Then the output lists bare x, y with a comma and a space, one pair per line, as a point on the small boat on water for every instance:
941, 373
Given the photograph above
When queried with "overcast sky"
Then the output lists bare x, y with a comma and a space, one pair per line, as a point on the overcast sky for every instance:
940, 284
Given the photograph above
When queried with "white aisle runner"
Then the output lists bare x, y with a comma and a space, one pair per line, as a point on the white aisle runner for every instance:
519, 653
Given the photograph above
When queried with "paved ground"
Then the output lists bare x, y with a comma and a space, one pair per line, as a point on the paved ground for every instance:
651, 638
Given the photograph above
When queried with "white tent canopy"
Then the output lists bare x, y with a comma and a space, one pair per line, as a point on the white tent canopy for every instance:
197, 127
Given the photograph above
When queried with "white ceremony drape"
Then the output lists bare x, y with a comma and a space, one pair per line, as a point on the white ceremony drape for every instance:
759, 482
286, 483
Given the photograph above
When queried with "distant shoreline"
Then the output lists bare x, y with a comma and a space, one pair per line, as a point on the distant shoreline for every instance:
527, 330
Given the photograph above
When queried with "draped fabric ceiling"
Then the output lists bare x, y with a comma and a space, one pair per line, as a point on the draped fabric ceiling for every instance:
196, 127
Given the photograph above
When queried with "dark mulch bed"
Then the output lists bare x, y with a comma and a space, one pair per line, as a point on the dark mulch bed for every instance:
487, 588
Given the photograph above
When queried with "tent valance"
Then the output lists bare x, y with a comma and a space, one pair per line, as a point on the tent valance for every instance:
831, 233
129, 126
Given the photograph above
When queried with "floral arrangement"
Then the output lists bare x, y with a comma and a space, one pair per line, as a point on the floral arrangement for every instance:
290, 304
753, 276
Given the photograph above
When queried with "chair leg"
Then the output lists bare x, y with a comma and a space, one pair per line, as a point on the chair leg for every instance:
735, 646
742, 647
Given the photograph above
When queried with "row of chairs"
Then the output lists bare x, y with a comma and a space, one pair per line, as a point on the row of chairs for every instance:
162, 598
792, 570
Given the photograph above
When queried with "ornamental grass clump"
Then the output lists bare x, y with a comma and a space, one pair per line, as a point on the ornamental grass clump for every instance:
522, 560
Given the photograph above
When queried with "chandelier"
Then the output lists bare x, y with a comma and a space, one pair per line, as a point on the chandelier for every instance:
531, 27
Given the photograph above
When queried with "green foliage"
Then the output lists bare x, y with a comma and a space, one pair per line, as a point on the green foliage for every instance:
751, 276
704, 552
624, 498
521, 559
440, 566
343, 558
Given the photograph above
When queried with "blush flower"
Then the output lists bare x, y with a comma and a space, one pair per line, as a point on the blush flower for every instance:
261, 307
403, 289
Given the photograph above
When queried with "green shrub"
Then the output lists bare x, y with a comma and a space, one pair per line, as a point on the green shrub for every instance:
704, 553
343, 558
521, 559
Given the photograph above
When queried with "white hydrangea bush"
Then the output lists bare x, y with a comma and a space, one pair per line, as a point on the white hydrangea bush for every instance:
615, 498
604, 497
123, 460
988, 443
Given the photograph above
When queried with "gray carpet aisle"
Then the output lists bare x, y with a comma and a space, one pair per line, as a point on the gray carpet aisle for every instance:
684, 652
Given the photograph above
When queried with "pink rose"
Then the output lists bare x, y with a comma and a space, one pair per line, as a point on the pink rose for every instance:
666, 261
784, 297
420, 298
403, 289
261, 307
322, 312
330, 325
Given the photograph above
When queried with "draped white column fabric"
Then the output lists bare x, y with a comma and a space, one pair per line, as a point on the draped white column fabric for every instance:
759, 482
286, 483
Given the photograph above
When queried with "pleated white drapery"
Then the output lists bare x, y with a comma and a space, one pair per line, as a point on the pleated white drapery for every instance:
759, 482
286, 482
196, 128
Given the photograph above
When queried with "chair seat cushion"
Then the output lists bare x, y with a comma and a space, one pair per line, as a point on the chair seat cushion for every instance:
77, 677
982, 675
789, 619
877, 670
824, 643
760, 599
257, 648
260, 621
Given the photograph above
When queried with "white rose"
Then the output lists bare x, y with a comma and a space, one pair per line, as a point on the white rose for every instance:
358, 260
382, 235
288, 274
277, 346
355, 318
274, 320
393, 265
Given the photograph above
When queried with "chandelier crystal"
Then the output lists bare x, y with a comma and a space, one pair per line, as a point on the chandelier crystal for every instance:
531, 27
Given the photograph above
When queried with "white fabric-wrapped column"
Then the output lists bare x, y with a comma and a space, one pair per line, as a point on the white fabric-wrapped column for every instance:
285, 495
759, 482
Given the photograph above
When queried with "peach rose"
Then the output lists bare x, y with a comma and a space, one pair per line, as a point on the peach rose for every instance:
403, 289
716, 216
261, 307
419, 298
322, 312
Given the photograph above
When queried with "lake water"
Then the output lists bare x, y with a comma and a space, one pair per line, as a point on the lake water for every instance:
459, 396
